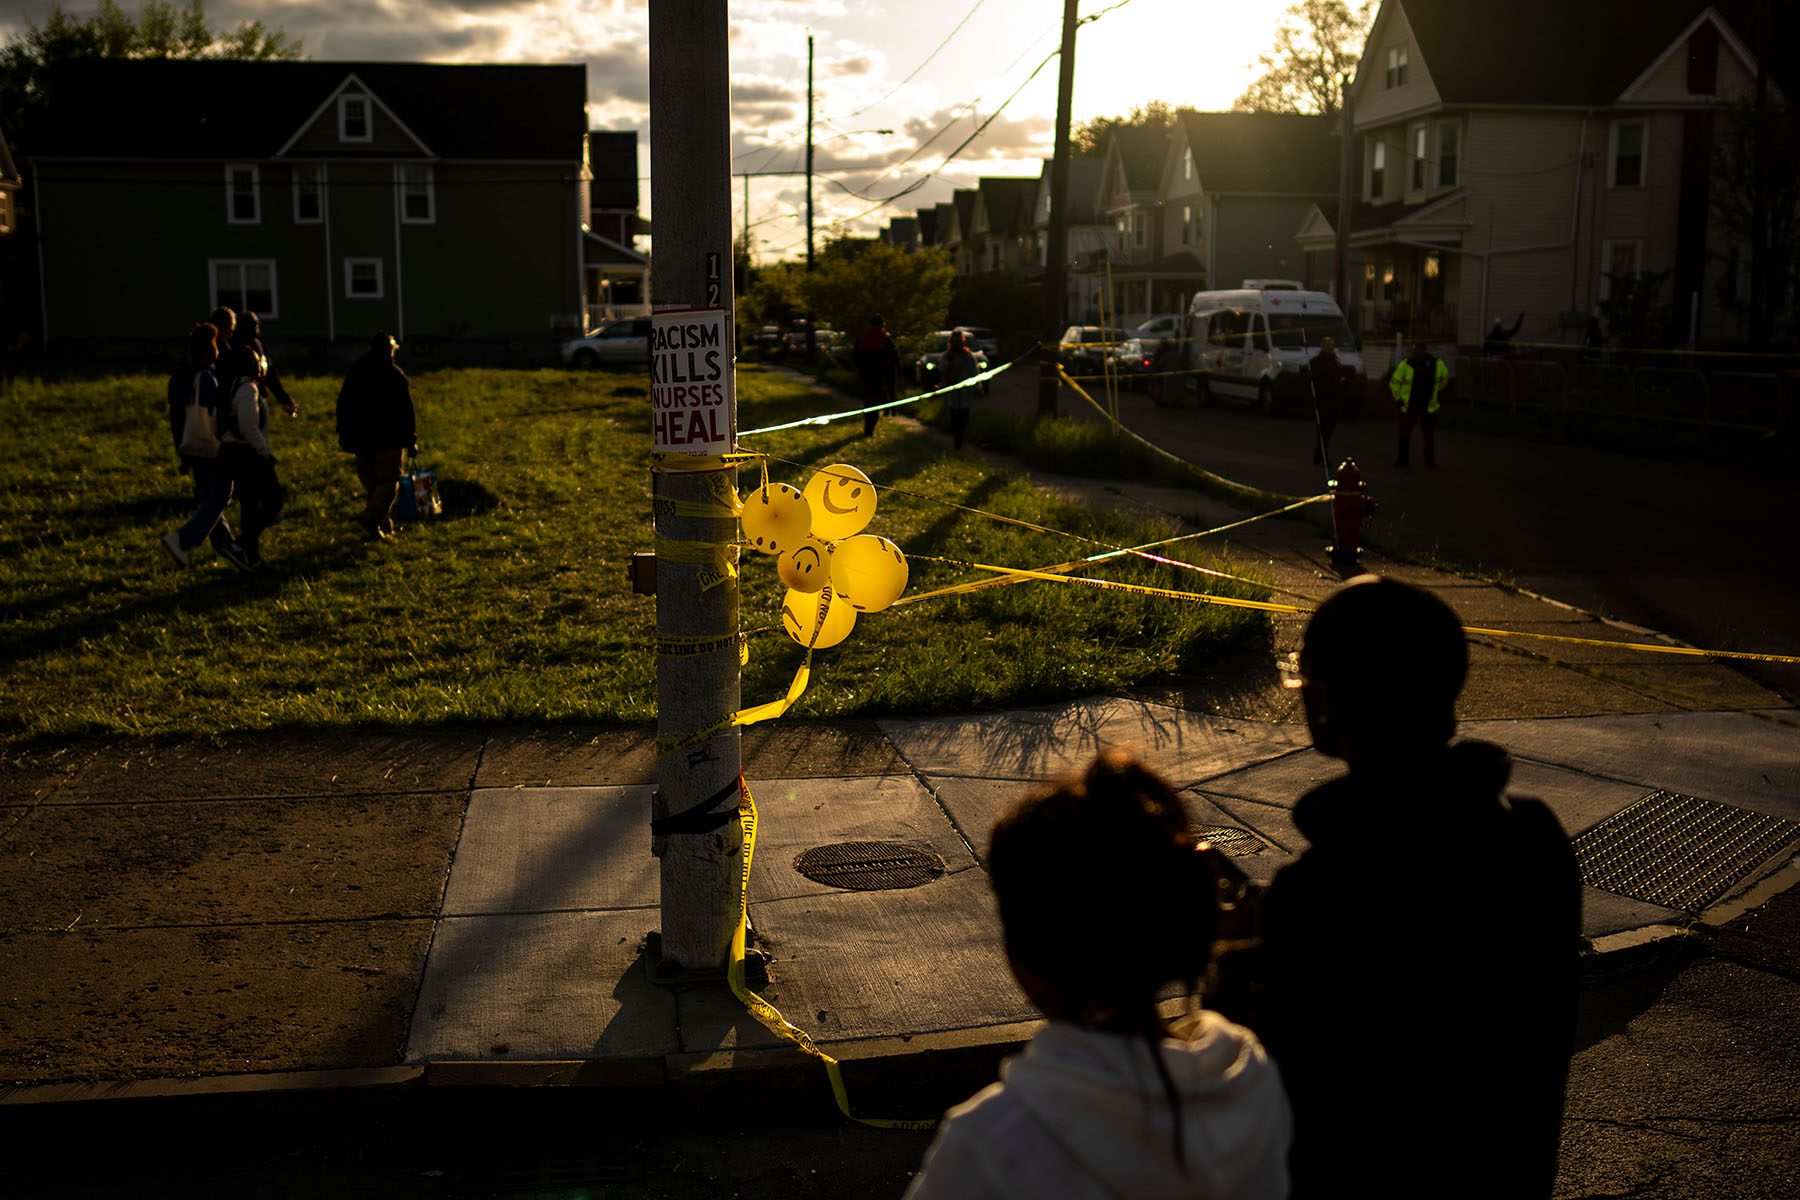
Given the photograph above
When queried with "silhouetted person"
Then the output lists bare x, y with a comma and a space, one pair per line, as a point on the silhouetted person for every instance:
377, 424
877, 362
246, 456
1104, 899
1593, 342
195, 381
1417, 385
1326, 374
249, 333
956, 364
1499, 337
1420, 957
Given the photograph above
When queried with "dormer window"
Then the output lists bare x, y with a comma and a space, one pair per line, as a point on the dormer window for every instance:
1396, 66
1187, 163
353, 119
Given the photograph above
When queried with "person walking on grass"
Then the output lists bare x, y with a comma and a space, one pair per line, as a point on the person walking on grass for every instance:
1422, 1015
377, 424
246, 456
877, 362
1417, 385
956, 364
249, 333
195, 382
1105, 898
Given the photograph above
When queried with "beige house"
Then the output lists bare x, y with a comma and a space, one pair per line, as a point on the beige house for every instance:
1090, 240
1524, 159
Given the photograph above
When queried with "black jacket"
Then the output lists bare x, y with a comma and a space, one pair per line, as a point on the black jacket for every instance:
1420, 963
375, 408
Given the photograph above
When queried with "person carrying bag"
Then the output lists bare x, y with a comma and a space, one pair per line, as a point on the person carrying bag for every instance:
246, 456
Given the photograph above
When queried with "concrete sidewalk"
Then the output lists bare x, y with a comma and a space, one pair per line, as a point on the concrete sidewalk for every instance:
331, 909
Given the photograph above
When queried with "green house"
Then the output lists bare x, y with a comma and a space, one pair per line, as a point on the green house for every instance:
443, 204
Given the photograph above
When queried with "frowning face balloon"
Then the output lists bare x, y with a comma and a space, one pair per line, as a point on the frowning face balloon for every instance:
842, 501
800, 617
807, 566
775, 518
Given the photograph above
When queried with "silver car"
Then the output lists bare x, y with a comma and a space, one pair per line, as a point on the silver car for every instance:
625, 343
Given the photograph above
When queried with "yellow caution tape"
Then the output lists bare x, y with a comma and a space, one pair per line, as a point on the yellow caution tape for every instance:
716, 560
671, 645
1646, 647
767, 1013
671, 463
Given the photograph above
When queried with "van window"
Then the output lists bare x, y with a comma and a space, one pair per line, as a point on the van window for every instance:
1302, 331
1226, 330
1262, 333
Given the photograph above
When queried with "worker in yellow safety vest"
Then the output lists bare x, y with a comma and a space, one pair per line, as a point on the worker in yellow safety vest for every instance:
1416, 384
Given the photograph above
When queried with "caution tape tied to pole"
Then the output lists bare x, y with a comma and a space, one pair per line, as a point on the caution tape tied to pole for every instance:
767, 1013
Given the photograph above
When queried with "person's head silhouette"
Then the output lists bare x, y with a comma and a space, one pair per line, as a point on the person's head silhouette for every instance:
1381, 665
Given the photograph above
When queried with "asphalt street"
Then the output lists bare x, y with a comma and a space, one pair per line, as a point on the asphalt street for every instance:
1691, 547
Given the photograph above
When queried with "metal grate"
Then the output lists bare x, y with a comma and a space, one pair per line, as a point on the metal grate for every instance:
870, 866
1679, 851
1229, 839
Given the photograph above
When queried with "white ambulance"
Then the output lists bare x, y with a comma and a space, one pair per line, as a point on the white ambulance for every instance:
1254, 343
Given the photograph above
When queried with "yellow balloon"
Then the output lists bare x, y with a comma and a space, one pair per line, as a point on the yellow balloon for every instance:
842, 500
806, 567
869, 572
775, 517
800, 613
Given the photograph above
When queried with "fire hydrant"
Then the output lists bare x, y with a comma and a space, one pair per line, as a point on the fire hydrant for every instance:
1350, 507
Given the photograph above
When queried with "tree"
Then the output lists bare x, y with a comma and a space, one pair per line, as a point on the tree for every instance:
160, 30
1755, 198
909, 288
1089, 138
1317, 45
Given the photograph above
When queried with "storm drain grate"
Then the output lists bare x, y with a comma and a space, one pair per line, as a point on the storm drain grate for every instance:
1238, 843
870, 866
1679, 851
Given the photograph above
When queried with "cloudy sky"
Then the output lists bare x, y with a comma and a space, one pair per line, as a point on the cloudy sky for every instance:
871, 74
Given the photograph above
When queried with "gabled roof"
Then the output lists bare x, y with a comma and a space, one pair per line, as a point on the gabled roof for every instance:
928, 222
1578, 53
1263, 152
963, 200
1442, 214
612, 157
1007, 202
1085, 172
210, 109
1141, 149
9, 173
604, 252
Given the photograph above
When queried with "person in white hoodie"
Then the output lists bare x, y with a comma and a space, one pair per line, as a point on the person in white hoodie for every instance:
1105, 899
245, 454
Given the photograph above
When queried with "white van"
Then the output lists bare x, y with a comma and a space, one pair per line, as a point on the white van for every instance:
1254, 343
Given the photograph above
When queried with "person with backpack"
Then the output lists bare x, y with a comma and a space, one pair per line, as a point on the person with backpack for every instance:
1106, 898
245, 454
1417, 386
194, 403
1422, 1013
376, 423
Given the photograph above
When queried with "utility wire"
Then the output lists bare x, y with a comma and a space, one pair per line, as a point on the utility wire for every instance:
927, 62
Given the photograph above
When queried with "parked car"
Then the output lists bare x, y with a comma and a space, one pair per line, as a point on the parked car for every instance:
980, 337
1086, 347
623, 342
924, 368
768, 339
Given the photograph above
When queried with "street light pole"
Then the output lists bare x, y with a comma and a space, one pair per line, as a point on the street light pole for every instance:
1056, 253
812, 337
694, 828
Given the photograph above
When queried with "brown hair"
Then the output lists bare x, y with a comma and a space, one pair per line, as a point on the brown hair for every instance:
203, 344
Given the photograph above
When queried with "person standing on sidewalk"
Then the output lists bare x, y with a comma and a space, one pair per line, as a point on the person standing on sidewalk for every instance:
1326, 374
195, 381
244, 451
1417, 384
956, 364
1110, 1099
877, 362
1422, 1021
376, 423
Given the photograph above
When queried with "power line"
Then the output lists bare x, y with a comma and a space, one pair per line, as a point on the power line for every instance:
927, 62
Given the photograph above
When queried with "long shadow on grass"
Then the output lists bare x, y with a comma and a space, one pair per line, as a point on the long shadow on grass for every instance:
199, 597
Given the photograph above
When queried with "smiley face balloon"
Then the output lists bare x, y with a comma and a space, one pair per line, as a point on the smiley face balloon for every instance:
775, 518
800, 613
807, 566
868, 572
842, 501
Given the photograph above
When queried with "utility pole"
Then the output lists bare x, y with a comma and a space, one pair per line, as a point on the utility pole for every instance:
694, 825
1346, 168
1762, 314
812, 333
1056, 267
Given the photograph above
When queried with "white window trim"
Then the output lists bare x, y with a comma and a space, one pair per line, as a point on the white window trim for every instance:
231, 217
343, 104
1418, 157
380, 292
400, 169
318, 170
1604, 290
212, 279
1398, 60
1437, 167
1377, 149
1612, 154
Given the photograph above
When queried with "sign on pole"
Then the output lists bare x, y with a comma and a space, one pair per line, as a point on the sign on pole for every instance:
691, 382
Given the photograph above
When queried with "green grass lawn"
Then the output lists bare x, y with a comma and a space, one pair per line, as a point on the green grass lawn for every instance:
513, 606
